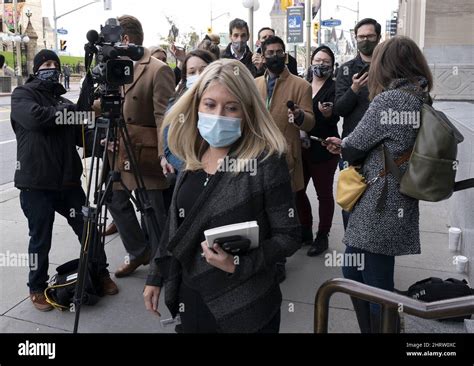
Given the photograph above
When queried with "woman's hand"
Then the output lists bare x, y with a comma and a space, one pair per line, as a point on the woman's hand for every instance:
333, 144
166, 166
326, 111
218, 258
151, 296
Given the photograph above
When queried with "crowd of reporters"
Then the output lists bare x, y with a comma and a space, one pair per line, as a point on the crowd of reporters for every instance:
194, 116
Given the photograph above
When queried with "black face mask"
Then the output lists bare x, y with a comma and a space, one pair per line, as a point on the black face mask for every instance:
51, 75
321, 71
276, 64
367, 47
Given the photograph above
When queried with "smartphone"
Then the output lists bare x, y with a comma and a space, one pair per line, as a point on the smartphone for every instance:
171, 178
237, 246
363, 71
323, 141
327, 104
226, 239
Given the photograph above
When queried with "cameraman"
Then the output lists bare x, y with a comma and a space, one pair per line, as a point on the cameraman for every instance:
48, 169
145, 104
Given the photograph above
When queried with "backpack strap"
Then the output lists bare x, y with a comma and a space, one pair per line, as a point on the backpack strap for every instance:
463, 184
391, 166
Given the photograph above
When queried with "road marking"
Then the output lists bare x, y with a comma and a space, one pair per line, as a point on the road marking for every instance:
7, 142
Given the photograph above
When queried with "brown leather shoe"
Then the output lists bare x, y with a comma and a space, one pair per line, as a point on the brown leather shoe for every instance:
111, 229
108, 286
39, 301
127, 269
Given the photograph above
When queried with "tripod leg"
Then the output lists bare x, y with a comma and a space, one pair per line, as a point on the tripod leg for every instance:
89, 234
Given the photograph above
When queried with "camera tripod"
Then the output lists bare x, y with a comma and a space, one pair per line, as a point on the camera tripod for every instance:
95, 218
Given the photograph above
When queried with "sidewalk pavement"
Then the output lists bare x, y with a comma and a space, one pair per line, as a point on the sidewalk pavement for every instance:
125, 312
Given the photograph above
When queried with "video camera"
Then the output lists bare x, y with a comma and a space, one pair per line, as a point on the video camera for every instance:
110, 69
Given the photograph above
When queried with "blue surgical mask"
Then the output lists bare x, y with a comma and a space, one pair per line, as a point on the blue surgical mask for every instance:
51, 75
219, 131
190, 80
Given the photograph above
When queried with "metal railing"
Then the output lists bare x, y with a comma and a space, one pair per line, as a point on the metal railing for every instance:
391, 303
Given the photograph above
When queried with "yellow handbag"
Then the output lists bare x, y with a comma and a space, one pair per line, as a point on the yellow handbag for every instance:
350, 187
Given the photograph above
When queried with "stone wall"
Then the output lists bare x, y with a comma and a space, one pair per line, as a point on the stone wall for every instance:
444, 30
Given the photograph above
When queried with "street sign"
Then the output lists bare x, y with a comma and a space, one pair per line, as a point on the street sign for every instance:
294, 16
62, 31
331, 23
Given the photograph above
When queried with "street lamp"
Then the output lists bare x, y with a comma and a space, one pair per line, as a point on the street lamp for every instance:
252, 5
353, 10
17, 39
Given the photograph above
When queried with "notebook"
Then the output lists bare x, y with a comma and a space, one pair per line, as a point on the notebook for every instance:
247, 230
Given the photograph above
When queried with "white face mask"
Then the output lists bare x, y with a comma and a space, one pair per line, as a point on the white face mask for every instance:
219, 131
190, 80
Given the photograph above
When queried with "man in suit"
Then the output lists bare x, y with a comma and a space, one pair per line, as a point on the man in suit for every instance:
144, 106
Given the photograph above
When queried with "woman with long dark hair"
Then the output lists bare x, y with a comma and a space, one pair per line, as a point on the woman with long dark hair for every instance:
384, 223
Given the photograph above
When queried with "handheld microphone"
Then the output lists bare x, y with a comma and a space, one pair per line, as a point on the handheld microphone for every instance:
291, 105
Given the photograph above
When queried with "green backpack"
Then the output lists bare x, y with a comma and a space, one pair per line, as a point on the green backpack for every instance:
431, 171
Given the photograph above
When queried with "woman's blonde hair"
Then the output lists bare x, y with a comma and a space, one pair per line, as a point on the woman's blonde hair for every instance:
259, 132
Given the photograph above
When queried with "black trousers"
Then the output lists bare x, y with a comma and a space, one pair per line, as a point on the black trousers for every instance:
39, 207
124, 215
197, 318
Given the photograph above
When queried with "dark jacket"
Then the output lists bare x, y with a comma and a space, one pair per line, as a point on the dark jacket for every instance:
247, 60
349, 105
46, 152
246, 300
292, 67
324, 127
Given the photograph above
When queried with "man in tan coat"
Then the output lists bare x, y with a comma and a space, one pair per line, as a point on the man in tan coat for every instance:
144, 107
278, 86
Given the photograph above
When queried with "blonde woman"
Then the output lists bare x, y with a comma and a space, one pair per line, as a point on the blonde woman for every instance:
234, 172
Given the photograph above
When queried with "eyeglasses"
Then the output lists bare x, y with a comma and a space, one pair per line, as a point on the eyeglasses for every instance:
372, 37
319, 62
279, 53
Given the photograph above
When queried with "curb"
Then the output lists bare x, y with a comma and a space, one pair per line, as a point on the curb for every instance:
8, 191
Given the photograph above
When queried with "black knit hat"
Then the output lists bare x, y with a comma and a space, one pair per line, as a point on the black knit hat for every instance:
43, 56
327, 50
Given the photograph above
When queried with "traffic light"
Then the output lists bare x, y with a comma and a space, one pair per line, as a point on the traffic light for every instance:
315, 28
62, 45
315, 31
285, 4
